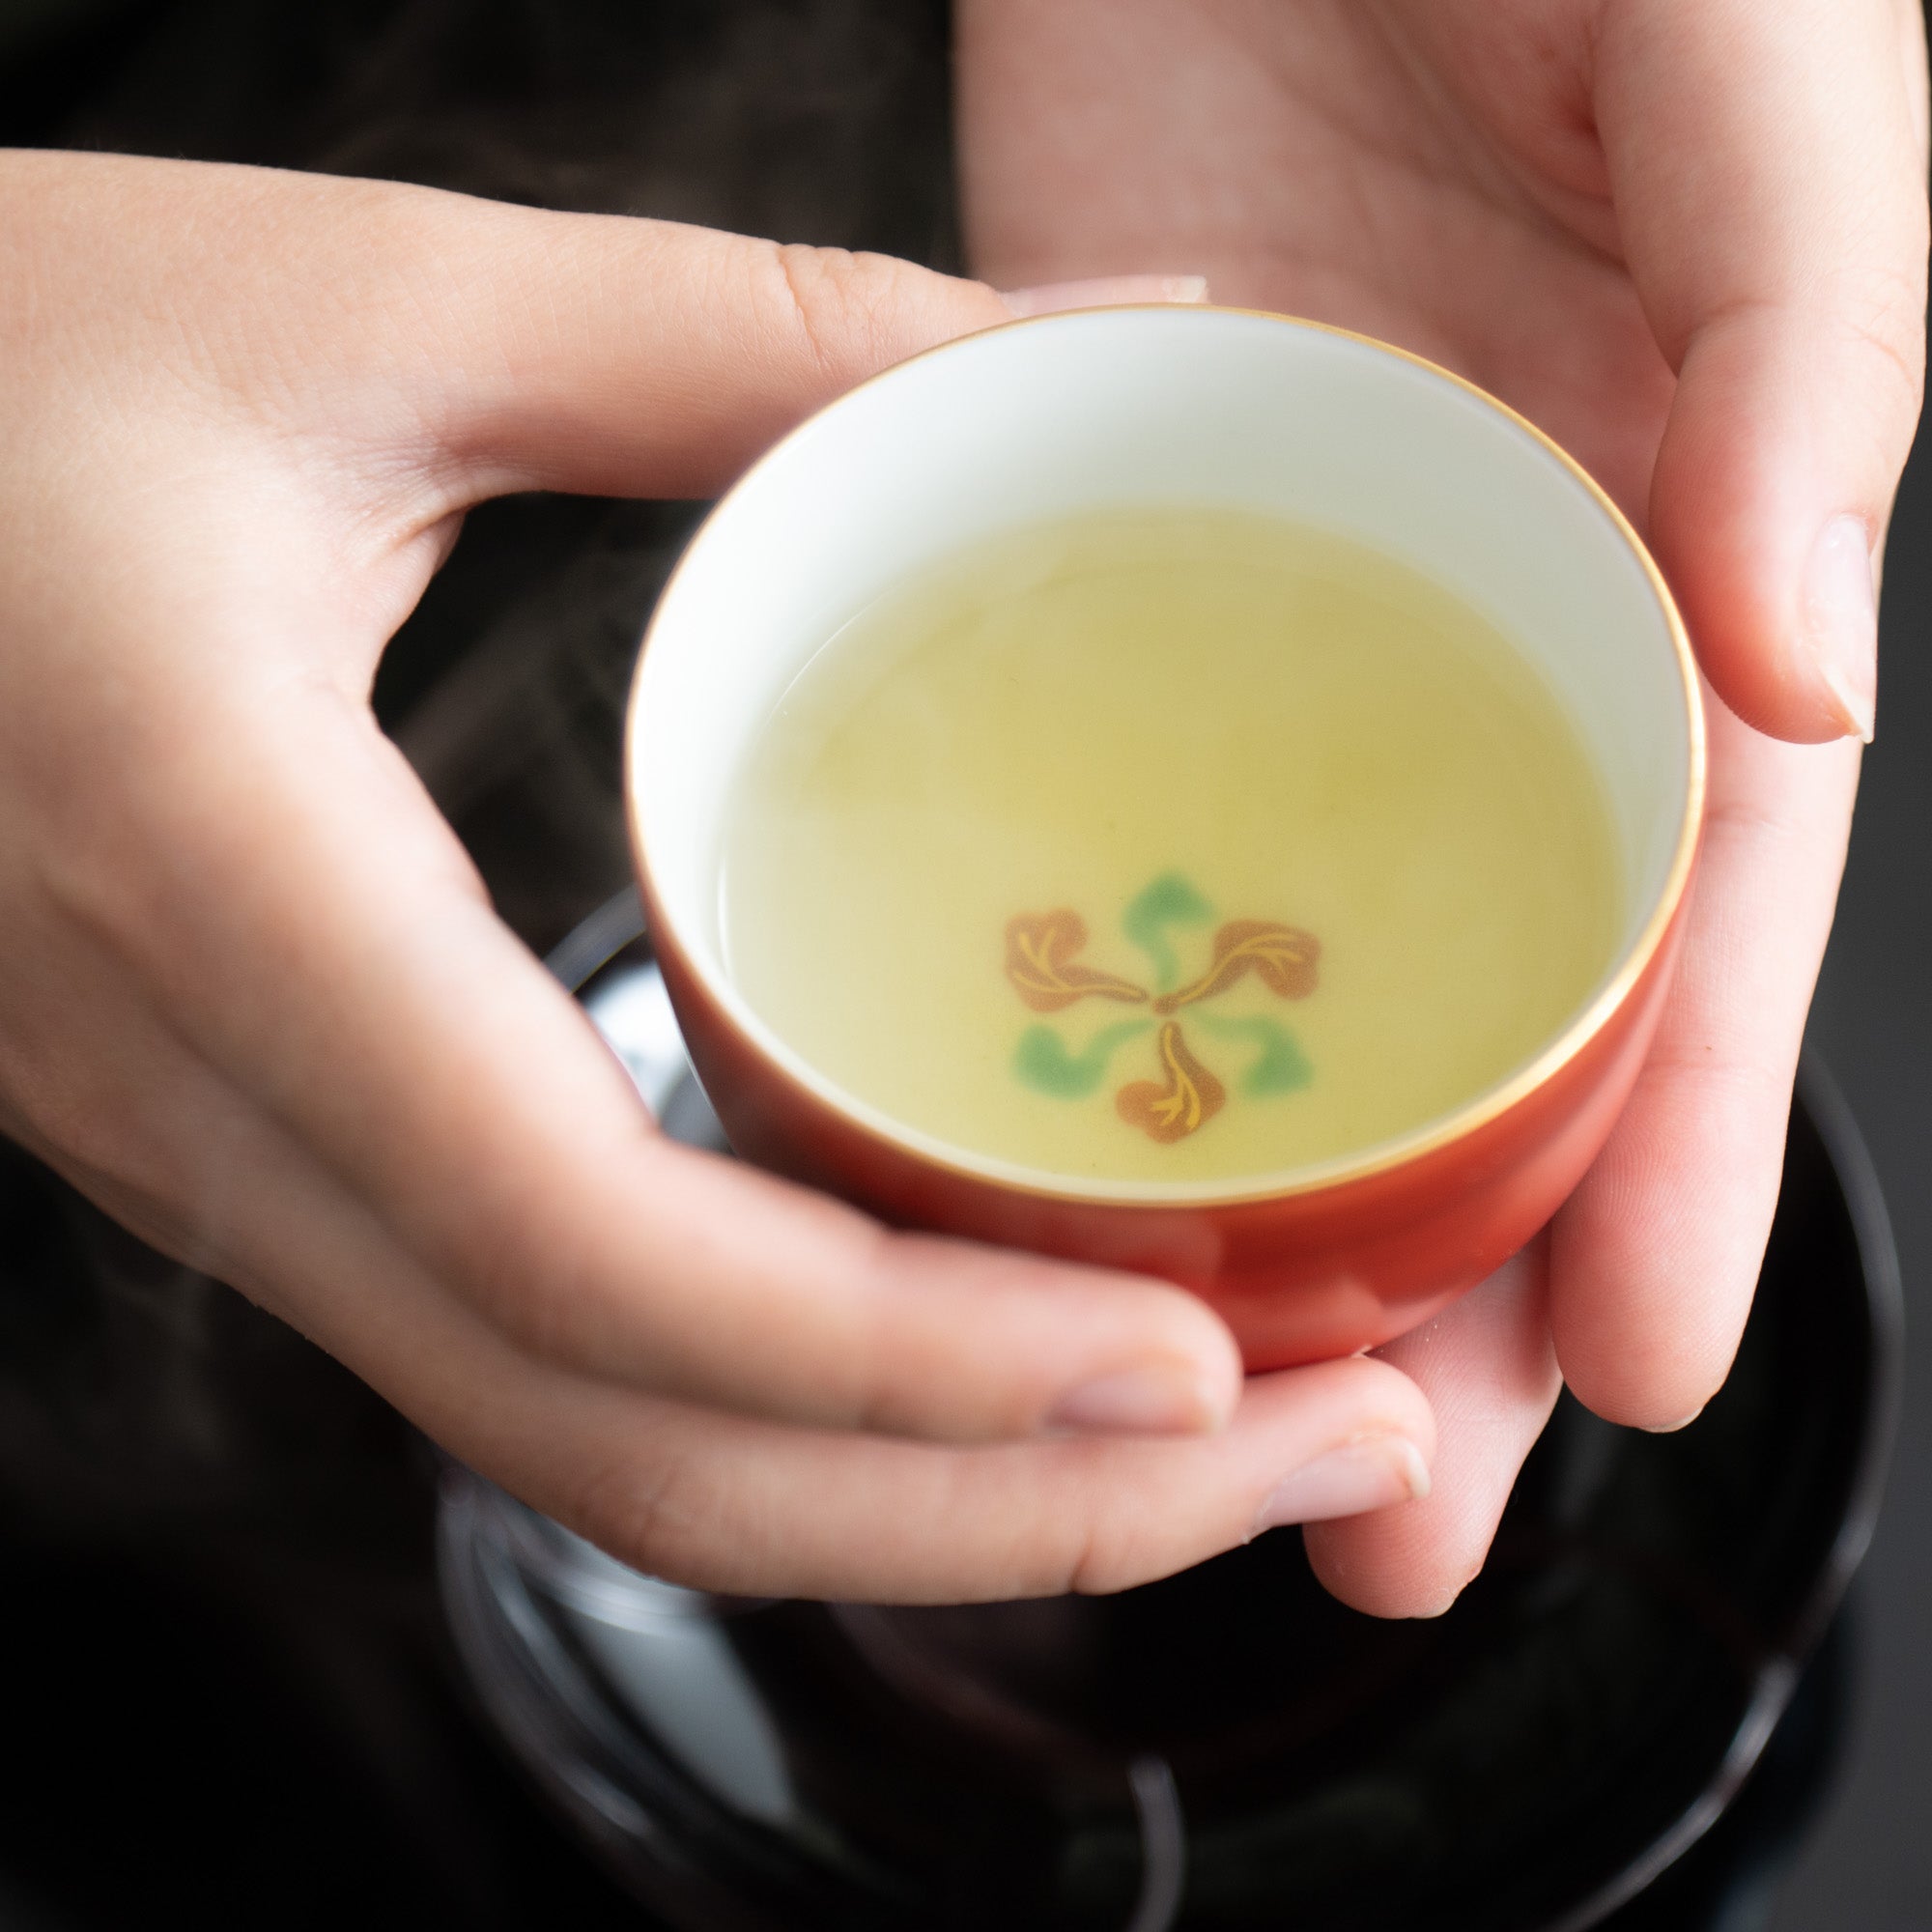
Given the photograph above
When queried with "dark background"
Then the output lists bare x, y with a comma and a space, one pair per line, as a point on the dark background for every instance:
226, 1681
1869, 1862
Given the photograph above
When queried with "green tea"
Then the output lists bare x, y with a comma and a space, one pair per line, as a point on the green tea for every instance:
1168, 846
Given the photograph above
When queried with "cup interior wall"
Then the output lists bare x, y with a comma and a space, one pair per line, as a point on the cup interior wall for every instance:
1149, 408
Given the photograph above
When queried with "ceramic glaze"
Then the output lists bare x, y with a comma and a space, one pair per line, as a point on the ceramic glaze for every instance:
1138, 408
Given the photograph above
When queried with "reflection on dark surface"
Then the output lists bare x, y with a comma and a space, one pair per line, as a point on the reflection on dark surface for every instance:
227, 1676
239, 1692
1232, 1739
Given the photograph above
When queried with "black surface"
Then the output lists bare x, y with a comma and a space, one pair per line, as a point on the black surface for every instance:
1527, 1761
229, 1683
226, 1682
1869, 1864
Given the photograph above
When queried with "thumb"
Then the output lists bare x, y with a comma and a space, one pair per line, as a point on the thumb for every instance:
422, 334
1768, 172
624, 357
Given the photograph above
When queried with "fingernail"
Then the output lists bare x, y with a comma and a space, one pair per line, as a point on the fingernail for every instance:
1370, 1474
1137, 1401
1106, 291
1840, 616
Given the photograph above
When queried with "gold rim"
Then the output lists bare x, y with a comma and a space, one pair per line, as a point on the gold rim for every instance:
1424, 1140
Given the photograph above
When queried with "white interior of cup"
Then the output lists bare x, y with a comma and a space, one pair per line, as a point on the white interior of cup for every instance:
1156, 407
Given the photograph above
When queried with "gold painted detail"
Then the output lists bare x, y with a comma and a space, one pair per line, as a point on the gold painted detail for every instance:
1042, 964
1282, 957
1188, 1098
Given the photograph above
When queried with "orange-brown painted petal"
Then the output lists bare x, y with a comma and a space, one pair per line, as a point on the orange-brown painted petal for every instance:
1040, 963
1189, 1099
1284, 957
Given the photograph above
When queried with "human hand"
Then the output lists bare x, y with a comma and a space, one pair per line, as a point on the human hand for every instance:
1688, 239
254, 1002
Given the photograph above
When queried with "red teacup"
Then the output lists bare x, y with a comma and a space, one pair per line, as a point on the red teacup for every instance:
1164, 407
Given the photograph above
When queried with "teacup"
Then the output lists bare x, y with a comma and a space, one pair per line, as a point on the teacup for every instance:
1163, 407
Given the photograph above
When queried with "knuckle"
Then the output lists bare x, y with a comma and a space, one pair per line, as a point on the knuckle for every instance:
136, 1184
880, 1347
73, 1113
819, 285
1112, 1541
1880, 309
846, 307
1108, 1558
526, 1286
1891, 328
654, 1511
930, 1341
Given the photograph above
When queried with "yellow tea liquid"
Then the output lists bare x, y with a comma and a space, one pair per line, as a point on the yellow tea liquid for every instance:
1157, 847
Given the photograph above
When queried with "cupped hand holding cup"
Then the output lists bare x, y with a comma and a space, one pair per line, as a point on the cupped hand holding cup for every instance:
254, 1000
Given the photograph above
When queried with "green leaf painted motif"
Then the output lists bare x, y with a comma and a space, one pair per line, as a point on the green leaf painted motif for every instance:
1280, 1067
1170, 900
1043, 1061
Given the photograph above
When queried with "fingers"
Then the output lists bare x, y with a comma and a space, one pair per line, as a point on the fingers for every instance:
649, 359
293, 910
1645, 1278
1490, 1373
1655, 1258
1768, 172
499, 347
736, 1506
309, 927
722, 1503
